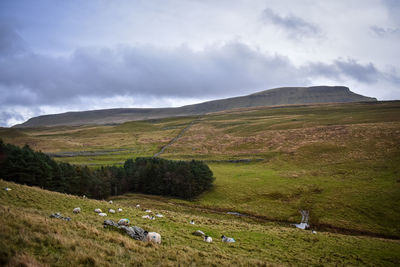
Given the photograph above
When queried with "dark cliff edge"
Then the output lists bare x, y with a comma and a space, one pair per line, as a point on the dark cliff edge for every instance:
272, 97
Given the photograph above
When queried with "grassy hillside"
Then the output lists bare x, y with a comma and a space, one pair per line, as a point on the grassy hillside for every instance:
29, 236
339, 161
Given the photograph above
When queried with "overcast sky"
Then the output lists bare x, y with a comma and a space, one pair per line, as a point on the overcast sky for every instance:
58, 56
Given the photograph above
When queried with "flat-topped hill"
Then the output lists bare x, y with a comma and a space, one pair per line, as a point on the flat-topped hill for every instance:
278, 96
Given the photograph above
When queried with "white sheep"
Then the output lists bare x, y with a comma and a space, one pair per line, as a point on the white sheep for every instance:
119, 209
227, 239
102, 214
7, 189
76, 210
153, 237
110, 202
191, 222
97, 210
146, 217
137, 206
207, 239
111, 211
159, 215
147, 211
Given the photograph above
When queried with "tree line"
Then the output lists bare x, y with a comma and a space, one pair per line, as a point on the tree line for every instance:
184, 179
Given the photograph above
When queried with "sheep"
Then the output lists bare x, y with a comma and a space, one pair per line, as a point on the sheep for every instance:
110, 202
97, 210
111, 211
77, 210
119, 209
314, 232
146, 217
227, 239
84, 196
153, 237
123, 222
102, 214
137, 206
159, 215
207, 239
152, 218
7, 189
147, 211
191, 222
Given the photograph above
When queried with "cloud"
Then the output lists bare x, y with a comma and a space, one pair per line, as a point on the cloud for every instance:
11, 42
340, 69
229, 69
295, 26
385, 32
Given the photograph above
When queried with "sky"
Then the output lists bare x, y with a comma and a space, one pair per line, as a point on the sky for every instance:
58, 56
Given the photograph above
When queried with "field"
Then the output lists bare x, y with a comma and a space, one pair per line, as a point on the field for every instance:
339, 161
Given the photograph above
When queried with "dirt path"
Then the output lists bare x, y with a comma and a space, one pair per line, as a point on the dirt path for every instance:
181, 133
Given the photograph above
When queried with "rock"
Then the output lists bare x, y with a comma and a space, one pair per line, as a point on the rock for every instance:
198, 233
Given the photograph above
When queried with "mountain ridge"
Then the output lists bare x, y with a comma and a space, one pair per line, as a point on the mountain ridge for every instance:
270, 97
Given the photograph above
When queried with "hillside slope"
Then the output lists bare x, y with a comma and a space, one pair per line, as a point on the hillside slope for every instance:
28, 237
278, 96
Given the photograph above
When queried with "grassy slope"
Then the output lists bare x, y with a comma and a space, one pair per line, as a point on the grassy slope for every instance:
340, 161
28, 235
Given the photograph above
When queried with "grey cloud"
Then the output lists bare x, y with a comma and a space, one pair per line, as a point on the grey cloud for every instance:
385, 32
350, 68
11, 42
295, 26
6, 117
225, 70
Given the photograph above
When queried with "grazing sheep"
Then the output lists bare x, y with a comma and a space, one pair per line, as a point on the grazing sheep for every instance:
84, 196
191, 222
153, 237
119, 209
159, 215
147, 211
227, 239
7, 189
111, 211
137, 206
97, 210
123, 222
199, 233
152, 218
110, 202
207, 239
314, 232
102, 214
77, 210
146, 217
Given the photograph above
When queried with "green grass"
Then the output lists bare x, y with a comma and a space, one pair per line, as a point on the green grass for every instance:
339, 161
29, 236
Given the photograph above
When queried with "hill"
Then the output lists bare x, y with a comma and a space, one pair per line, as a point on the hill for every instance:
30, 238
278, 96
